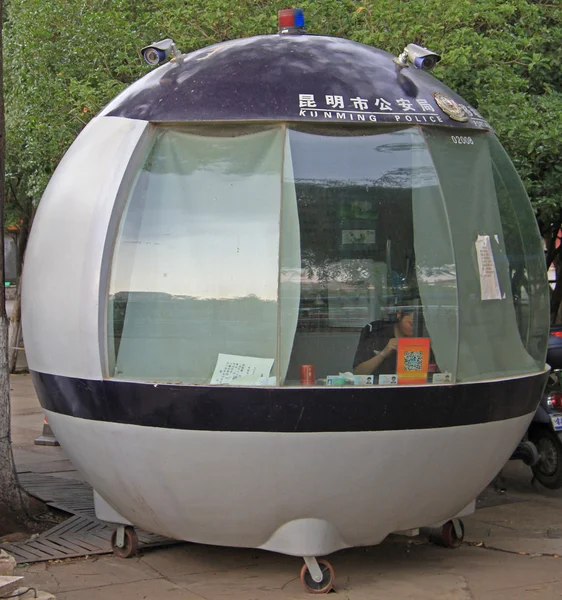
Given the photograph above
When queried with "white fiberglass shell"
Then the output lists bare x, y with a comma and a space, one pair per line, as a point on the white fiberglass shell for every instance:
304, 494
63, 267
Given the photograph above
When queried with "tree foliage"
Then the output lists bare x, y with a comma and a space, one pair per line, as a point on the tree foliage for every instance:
65, 60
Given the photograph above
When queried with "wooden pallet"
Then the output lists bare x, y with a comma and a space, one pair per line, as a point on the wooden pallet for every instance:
81, 534
70, 495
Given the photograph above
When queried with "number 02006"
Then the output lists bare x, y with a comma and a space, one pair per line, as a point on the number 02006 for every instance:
461, 139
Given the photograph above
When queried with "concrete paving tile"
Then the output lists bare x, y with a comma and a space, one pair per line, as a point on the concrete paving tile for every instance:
247, 582
394, 553
28, 410
489, 572
154, 589
197, 558
34, 568
528, 546
533, 517
77, 574
484, 571
25, 429
28, 422
442, 586
52, 467
362, 585
22, 386
37, 576
30, 457
534, 528
543, 591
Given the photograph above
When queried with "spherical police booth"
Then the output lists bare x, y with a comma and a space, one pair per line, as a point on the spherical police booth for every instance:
225, 245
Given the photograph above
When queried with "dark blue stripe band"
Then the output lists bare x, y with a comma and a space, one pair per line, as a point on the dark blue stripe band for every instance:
289, 409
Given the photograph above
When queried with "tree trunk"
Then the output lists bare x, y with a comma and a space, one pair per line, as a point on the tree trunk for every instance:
14, 330
13, 513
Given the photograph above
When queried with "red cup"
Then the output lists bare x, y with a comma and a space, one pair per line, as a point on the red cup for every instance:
307, 375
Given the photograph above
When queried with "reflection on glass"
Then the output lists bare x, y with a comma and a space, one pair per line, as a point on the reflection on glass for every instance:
195, 268
492, 339
368, 208
524, 254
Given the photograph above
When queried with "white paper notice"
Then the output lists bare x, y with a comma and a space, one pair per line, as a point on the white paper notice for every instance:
231, 367
489, 284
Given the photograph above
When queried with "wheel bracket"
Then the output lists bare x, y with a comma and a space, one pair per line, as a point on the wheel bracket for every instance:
458, 528
120, 537
313, 568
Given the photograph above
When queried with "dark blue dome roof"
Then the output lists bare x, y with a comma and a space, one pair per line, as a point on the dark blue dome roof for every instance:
292, 78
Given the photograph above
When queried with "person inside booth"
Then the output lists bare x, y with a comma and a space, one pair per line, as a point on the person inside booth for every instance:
378, 344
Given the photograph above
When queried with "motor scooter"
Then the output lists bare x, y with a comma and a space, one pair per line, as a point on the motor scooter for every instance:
541, 448
545, 432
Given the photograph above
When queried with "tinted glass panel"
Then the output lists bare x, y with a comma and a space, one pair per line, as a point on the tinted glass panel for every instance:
195, 270
490, 344
374, 246
525, 256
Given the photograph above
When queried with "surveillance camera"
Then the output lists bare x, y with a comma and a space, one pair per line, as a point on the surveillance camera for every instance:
158, 52
421, 57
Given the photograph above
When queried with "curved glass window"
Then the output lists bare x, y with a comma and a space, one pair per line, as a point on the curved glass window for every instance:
525, 255
495, 241
327, 256
368, 208
195, 270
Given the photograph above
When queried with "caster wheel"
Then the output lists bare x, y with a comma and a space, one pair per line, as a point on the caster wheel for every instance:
447, 535
130, 546
322, 587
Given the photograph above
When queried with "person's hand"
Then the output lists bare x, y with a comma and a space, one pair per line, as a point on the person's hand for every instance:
391, 347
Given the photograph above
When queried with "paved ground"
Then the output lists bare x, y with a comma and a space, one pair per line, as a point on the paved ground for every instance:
511, 554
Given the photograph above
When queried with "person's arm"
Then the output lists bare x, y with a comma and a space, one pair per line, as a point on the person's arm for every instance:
369, 366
